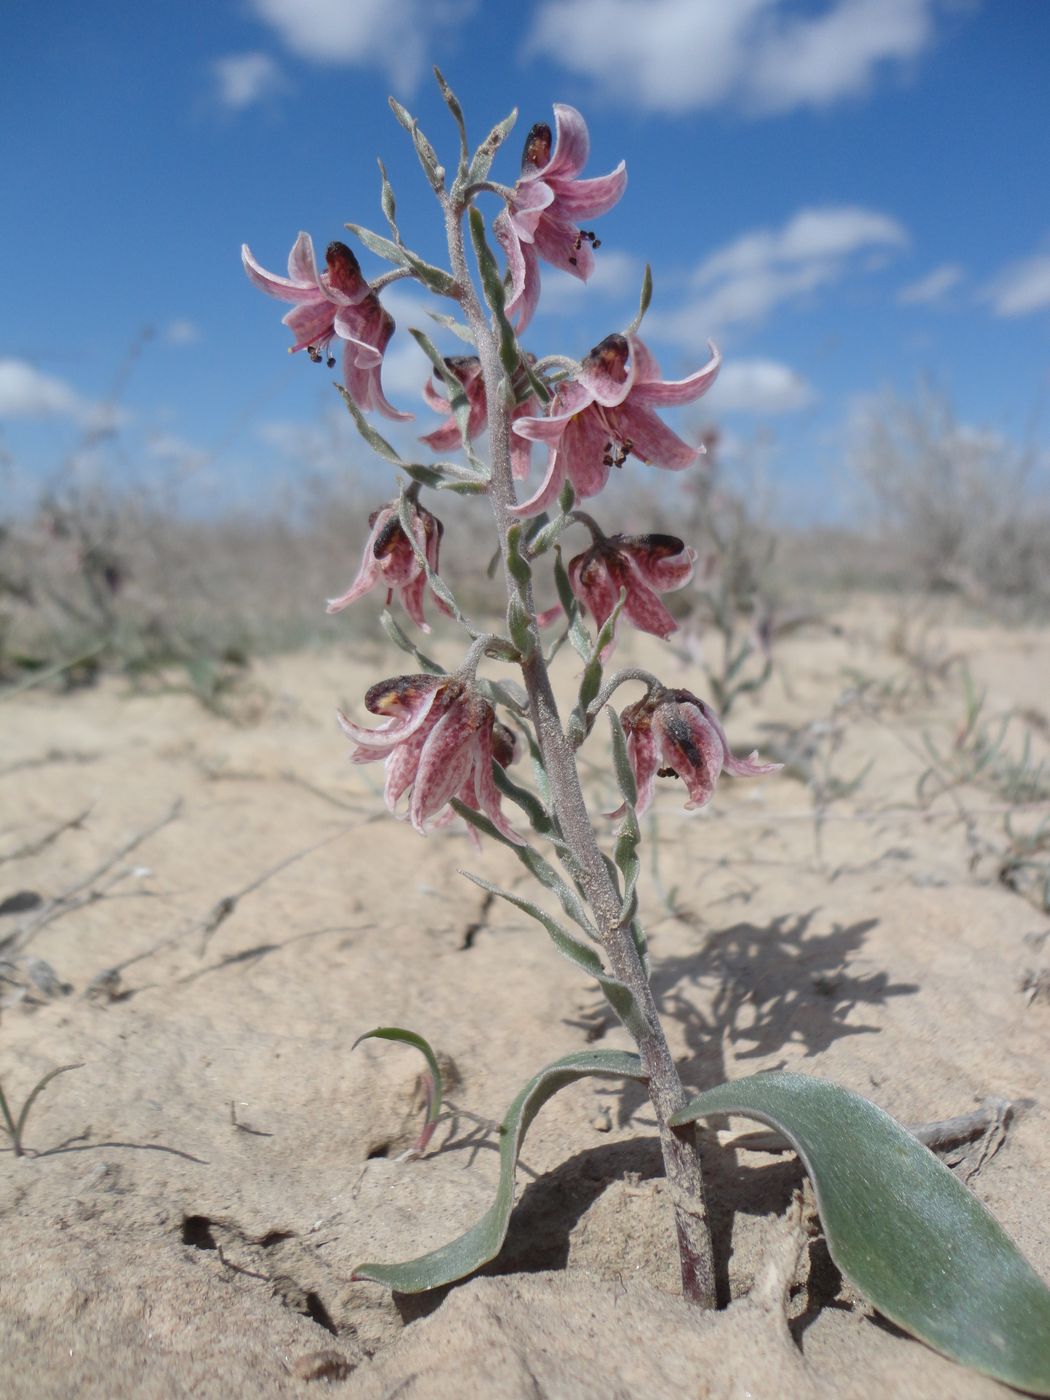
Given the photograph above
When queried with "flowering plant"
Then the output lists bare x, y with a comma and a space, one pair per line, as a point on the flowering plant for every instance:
449, 740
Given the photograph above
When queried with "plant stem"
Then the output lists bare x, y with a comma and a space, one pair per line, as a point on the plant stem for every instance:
681, 1159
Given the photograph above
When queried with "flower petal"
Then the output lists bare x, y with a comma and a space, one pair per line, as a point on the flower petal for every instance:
271, 284
311, 323
649, 391
650, 439
443, 439
368, 574
570, 399
572, 144
559, 243
644, 609
690, 746
609, 371
411, 595
586, 199
522, 307
399, 727
663, 561
583, 446
641, 753
443, 764
549, 490
348, 327
302, 265
749, 767
531, 198
401, 766
485, 785
593, 584
520, 457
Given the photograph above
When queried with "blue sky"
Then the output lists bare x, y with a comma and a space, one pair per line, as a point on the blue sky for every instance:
846, 194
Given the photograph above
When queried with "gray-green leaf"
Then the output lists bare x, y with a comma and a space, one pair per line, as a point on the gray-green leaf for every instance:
483, 1241
904, 1231
436, 1091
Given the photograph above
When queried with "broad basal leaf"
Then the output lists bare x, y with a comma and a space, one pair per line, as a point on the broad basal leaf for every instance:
904, 1231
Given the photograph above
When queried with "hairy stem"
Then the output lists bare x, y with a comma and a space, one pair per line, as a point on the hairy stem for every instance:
681, 1159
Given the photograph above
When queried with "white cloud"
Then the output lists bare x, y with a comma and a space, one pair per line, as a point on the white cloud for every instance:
759, 386
1022, 288
27, 393
395, 36
176, 451
761, 55
616, 274
243, 79
181, 332
761, 270
931, 288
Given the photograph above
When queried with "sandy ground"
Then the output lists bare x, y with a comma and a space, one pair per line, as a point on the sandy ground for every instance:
203, 1184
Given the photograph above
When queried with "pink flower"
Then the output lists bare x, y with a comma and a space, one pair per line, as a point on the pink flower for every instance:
645, 565
672, 734
389, 559
467, 369
439, 738
539, 220
596, 421
338, 302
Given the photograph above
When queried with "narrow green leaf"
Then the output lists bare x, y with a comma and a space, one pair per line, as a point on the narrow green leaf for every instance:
519, 625
621, 762
581, 643
435, 1092
506, 692
484, 1240
456, 327
452, 103
495, 295
403, 115
399, 639
376, 441
627, 861
34, 1093
389, 204
644, 300
517, 564
376, 243
537, 866
540, 819
619, 997
428, 159
904, 1231
486, 152
424, 150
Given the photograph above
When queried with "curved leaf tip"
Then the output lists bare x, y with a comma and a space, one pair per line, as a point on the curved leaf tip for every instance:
904, 1231
484, 1240
435, 1087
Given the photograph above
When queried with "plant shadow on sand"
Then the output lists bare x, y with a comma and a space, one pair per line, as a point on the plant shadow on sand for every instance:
755, 988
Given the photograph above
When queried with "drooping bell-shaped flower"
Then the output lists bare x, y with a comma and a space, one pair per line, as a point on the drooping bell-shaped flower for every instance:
644, 566
672, 734
540, 218
390, 561
336, 303
439, 738
607, 414
467, 369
